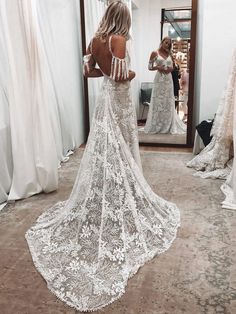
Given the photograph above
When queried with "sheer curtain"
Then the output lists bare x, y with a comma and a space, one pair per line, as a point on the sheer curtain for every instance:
5, 135
94, 10
42, 95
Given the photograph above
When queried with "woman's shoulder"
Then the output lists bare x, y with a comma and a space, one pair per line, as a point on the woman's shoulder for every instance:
118, 38
154, 54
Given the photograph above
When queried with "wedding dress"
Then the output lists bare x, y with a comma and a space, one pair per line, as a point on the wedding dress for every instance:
216, 159
162, 116
88, 247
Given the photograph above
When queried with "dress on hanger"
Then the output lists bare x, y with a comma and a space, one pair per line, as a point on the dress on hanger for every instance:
162, 116
88, 247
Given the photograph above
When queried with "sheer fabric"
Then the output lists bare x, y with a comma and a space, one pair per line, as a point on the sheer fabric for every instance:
94, 11
41, 113
89, 246
216, 159
6, 168
162, 116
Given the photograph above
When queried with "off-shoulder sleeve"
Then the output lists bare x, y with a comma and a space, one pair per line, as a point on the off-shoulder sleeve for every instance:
152, 63
88, 58
86, 62
119, 67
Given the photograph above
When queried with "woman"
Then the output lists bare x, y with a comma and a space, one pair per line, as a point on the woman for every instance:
162, 117
175, 77
184, 81
89, 246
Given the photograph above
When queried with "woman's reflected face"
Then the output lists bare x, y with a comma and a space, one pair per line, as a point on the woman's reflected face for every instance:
166, 44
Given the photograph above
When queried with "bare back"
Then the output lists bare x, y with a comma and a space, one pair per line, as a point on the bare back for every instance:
103, 52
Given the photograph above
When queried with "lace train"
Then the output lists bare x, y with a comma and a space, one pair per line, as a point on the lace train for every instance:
89, 246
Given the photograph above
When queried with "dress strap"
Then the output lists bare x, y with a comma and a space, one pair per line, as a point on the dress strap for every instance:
109, 43
119, 67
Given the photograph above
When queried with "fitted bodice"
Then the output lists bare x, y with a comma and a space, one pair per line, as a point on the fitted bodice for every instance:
160, 61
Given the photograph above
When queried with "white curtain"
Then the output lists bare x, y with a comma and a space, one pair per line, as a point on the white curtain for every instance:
42, 95
94, 10
5, 135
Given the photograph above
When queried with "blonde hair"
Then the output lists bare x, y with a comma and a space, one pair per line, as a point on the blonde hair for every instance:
116, 20
170, 46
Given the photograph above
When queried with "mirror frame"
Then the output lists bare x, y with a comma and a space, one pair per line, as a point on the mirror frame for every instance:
190, 127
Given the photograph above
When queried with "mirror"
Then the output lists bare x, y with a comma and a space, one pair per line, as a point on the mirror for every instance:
163, 101
163, 110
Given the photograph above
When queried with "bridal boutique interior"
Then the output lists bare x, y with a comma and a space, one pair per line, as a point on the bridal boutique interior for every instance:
46, 108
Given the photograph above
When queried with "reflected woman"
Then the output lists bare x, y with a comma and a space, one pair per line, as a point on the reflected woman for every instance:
162, 116
89, 246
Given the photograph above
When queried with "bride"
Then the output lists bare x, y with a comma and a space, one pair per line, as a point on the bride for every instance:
88, 247
162, 116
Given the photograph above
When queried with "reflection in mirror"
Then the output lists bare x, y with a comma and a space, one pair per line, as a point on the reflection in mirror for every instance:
164, 72
160, 90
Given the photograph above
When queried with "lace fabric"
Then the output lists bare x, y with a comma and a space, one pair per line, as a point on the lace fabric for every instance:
162, 116
216, 159
213, 159
89, 246
86, 60
119, 67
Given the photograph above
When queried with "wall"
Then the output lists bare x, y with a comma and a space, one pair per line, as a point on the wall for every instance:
216, 41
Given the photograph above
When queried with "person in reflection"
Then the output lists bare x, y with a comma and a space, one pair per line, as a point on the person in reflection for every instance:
184, 81
89, 246
175, 77
162, 116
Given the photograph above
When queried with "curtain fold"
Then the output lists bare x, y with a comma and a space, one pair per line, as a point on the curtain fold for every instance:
41, 97
94, 10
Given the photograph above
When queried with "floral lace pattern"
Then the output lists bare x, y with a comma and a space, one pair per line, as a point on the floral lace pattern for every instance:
89, 246
162, 116
213, 160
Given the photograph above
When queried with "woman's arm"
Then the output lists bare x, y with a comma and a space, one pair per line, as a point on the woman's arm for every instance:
119, 71
94, 73
90, 69
152, 60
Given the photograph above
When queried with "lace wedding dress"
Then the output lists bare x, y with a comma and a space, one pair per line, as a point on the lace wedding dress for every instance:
216, 159
162, 116
89, 246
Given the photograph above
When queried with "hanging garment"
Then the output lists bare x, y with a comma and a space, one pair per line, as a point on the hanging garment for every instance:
162, 116
204, 131
216, 159
89, 246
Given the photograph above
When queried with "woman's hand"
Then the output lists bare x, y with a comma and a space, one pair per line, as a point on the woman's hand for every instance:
132, 75
161, 69
165, 70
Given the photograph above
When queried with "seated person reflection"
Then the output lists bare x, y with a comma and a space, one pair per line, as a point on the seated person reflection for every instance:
162, 116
